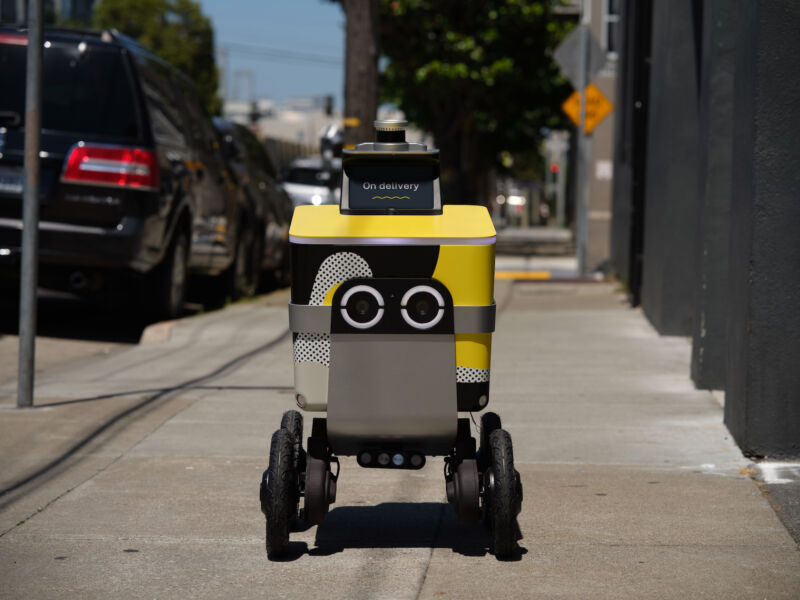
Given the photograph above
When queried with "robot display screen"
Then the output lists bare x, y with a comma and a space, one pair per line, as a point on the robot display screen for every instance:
391, 186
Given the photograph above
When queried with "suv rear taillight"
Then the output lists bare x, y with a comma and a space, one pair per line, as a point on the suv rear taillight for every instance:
120, 166
14, 39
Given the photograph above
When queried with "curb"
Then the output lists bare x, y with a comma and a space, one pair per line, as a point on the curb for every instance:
157, 332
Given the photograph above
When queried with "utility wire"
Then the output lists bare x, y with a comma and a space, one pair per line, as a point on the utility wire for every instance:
279, 55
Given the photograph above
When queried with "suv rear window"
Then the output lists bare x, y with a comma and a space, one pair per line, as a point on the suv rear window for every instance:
83, 91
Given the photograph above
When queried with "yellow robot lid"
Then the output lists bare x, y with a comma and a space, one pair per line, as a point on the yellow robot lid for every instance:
458, 224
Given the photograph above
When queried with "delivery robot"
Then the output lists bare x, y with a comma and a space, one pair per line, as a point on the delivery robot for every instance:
391, 314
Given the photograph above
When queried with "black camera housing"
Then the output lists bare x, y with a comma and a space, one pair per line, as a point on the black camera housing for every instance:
392, 291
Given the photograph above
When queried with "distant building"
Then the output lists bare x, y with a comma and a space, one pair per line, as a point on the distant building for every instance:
298, 120
604, 18
301, 120
55, 11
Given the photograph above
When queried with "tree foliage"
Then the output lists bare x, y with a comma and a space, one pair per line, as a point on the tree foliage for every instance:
175, 30
479, 75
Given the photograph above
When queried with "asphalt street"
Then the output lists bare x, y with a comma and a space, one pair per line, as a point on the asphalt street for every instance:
136, 475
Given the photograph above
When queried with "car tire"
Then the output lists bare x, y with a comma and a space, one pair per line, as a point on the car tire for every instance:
281, 276
167, 289
241, 278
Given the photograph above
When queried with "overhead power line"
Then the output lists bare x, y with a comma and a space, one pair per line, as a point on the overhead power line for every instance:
280, 55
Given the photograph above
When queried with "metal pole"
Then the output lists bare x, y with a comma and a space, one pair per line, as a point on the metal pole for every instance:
20, 12
581, 198
561, 183
30, 218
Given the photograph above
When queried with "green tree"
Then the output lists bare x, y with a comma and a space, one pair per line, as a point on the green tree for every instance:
175, 30
480, 76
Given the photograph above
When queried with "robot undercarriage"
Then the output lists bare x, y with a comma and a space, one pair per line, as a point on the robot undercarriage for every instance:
480, 479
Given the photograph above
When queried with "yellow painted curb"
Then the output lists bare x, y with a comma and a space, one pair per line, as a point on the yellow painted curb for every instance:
532, 275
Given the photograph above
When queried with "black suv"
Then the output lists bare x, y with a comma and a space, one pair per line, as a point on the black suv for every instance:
134, 187
269, 203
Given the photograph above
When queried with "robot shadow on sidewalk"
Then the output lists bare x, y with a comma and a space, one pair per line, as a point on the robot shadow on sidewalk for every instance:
396, 525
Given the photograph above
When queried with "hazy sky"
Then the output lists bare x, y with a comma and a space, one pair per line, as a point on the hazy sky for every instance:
291, 47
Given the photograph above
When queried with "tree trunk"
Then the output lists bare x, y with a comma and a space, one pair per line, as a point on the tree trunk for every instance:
462, 178
361, 70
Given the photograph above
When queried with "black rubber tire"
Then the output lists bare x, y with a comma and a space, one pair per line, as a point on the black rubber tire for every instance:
280, 277
256, 256
234, 282
167, 286
503, 503
489, 422
238, 280
245, 271
281, 494
292, 420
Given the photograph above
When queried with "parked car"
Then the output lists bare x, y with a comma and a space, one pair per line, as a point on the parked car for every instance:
134, 188
309, 181
269, 205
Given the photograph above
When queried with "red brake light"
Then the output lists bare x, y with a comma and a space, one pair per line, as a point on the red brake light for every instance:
112, 165
14, 39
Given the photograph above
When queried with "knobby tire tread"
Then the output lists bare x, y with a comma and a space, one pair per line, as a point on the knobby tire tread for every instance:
281, 493
503, 502
292, 421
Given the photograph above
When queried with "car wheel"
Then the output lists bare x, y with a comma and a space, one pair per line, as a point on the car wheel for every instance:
279, 277
168, 286
244, 273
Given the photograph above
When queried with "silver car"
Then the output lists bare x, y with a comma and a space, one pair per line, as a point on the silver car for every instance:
308, 181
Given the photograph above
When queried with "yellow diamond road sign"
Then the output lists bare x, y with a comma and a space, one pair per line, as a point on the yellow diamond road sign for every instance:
598, 107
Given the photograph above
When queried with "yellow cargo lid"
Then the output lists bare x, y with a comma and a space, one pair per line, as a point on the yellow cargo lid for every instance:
458, 224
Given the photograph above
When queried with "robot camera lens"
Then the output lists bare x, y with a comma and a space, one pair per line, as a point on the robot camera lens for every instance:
362, 306
422, 307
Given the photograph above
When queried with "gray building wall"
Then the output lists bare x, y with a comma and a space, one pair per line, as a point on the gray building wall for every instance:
762, 400
630, 155
722, 204
670, 224
709, 338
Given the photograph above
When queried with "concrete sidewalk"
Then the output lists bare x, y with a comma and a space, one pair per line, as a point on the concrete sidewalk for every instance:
536, 240
137, 475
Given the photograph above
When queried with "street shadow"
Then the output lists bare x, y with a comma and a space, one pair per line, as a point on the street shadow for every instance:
398, 525
68, 317
41, 475
140, 392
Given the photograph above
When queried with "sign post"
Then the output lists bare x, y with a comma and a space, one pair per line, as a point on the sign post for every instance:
581, 58
29, 268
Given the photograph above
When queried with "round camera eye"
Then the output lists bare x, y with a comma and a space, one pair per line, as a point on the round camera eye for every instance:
362, 306
422, 307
